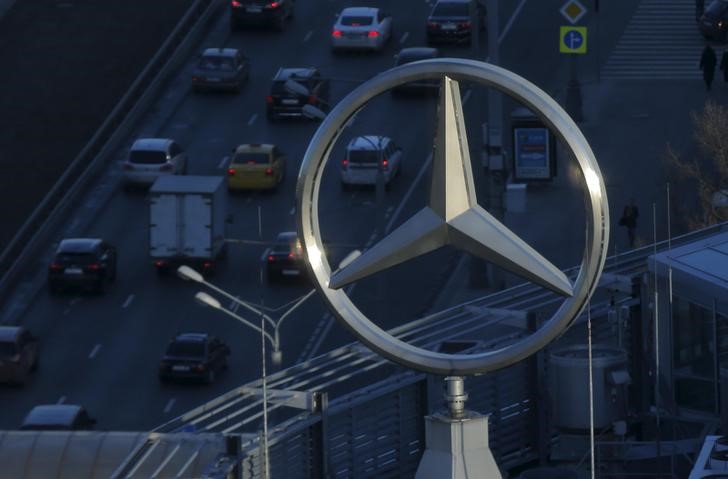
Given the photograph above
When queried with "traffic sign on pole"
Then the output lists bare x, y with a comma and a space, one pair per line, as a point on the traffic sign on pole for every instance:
573, 10
572, 40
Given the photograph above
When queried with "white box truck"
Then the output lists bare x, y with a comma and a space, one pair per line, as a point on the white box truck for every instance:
187, 218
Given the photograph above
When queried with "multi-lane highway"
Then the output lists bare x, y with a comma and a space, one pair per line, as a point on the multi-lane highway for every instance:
103, 351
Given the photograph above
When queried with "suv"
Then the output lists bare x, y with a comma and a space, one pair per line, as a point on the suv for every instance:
449, 21
365, 155
18, 354
256, 12
82, 262
58, 417
284, 103
150, 158
194, 356
220, 69
285, 257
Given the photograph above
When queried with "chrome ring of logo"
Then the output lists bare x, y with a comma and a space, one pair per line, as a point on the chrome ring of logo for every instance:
452, 216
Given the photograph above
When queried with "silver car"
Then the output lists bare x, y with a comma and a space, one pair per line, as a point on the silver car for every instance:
365, 155
150, 158
361, 28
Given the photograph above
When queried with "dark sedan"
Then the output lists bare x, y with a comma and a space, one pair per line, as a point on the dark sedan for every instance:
285, 257
713, 23
194, 356
450, 22
86, 263
221, 69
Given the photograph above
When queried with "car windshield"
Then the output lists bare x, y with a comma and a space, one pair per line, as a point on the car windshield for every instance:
252, 158
356, 21
216, 63
75, 258
147, 157
186, 348
363, 156
287, 245
7, 350
451, 9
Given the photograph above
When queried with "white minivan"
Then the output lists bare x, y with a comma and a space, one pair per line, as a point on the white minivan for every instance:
364, 154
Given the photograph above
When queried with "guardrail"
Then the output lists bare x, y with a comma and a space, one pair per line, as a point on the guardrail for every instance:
95, 156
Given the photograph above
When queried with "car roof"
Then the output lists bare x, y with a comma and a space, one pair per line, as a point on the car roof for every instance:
367, 142
78, 245
359, 11
52, 414
286, 73
220, 52
418, 52
151, 144
255, 148
287, 236
192, 337
9, 333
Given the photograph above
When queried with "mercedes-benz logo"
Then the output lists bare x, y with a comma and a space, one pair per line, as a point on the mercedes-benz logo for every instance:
453, 216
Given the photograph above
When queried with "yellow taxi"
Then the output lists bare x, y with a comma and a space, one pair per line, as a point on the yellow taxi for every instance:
256, 167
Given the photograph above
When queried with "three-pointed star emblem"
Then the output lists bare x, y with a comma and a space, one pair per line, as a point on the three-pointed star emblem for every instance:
453, 216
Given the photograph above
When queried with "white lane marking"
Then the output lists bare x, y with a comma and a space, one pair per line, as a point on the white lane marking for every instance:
388, 213
510, 22
293, 211
61, 400
308, 36
94, 351
252, 119
466, 97
223, 162
74, 301
128, 301
404, 38
169, 405
408, 194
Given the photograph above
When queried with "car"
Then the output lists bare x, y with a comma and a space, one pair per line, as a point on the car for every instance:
449, 21
284, 103
18, 354
361, 28
220, 69
285, 257
260, 12
713, 22
413, 54
194, 356
86, 263
256, 167
365, 155
150, 158
58, 417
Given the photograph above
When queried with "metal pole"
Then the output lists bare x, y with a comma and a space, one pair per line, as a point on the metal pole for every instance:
655, 310
266, 464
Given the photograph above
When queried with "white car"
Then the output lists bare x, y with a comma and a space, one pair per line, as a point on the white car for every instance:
361, 28
150, 158
364, 154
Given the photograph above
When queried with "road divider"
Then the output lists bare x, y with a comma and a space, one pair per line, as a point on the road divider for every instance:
169, 406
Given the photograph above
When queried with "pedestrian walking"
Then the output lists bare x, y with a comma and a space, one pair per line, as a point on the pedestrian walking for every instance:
724, 65
707, 64
629, 220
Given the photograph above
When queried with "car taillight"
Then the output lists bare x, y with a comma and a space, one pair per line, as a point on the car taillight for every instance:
236, 4
93, 267
55, 267
336, 34
273, 5
311, 100
269, 99
291, 255
207, 265
160, 264
433, 25
345, 163
231, 171
199, 367
128, 166
196, 78
269, 171
166, 167
373, 34
385, 163
464, 24
271, 258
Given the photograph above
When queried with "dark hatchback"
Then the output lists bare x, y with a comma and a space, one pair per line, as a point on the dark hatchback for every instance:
285, 257
86, 263
449, 21
58, 417
413, 54
713, 23
194, 356
260, 12
221, 69
282, 103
